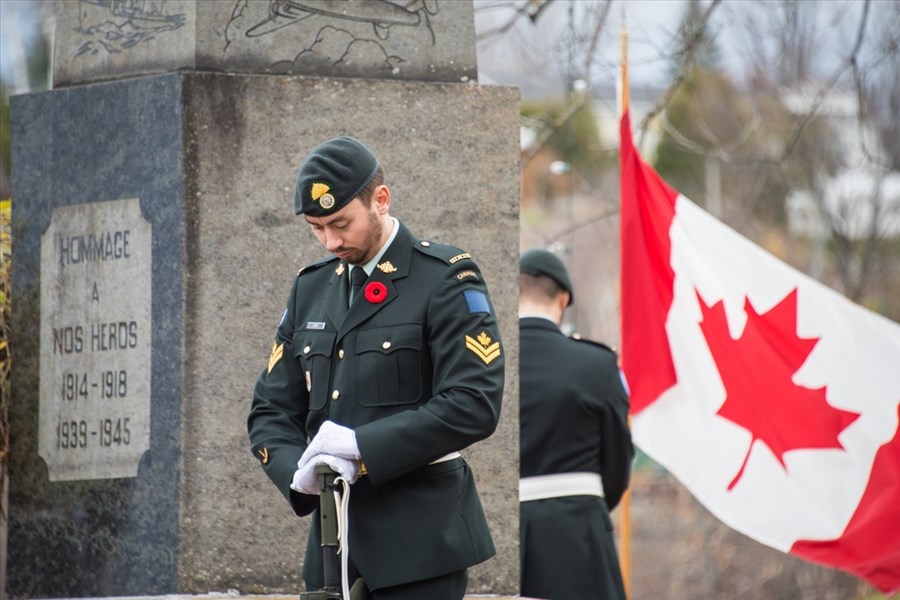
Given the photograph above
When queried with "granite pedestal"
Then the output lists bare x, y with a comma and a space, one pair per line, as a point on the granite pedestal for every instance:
179, 186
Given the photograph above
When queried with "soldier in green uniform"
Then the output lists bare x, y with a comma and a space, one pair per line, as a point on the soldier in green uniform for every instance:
386, 364
576, 448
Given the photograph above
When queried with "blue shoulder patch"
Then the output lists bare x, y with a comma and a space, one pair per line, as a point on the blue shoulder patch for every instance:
477, 301
624, 382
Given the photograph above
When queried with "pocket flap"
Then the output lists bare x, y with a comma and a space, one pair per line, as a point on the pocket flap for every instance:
308, 343
389, 339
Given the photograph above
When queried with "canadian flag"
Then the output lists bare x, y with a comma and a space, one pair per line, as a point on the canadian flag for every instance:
772, 398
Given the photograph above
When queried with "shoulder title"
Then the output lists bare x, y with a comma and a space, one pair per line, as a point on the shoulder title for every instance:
315, 266
459, 261
448, 254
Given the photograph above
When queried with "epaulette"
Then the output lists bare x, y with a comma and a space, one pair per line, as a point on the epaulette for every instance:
448, 254
577, 337
315, 266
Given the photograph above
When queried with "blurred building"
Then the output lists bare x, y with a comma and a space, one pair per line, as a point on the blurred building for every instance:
862, 197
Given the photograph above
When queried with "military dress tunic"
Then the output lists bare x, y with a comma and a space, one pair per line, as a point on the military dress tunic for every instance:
573, 419
415, 367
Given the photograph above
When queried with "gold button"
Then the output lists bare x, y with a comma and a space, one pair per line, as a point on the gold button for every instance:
386, 345
341, 353
335, 395
306, 350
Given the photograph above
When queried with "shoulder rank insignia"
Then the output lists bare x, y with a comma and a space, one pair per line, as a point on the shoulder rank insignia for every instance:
264, 455
386, 267
482, 347
277, 351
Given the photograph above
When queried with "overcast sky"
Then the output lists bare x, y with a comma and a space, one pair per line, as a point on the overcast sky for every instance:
536, 56
18, 27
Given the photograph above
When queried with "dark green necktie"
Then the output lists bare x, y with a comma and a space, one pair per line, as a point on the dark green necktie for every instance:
357, 279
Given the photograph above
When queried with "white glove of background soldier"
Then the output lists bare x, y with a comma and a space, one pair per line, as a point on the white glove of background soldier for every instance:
307, 482
332, 439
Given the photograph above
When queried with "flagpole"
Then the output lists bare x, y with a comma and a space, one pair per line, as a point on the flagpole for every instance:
624, 98
625, 504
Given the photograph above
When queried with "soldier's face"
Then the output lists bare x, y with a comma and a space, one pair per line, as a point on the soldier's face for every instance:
355, 233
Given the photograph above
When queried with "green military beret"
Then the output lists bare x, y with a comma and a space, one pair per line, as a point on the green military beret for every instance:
545, 263
332, 175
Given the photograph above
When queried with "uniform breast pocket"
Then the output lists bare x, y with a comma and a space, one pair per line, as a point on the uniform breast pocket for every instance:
389, 369
313, 349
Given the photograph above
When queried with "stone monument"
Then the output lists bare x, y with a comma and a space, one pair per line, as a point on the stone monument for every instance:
155, 245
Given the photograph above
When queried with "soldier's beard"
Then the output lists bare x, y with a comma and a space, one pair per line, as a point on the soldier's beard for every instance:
371, 243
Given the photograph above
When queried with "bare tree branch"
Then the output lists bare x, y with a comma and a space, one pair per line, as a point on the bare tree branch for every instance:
577, 101
599, 27
691, 45
793, 138
532, 9
564, 117
582, 223
826, 89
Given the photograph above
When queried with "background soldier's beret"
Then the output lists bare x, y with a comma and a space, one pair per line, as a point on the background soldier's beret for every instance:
332, 175
544, 262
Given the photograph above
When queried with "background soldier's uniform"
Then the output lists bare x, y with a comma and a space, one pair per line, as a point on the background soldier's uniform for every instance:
573, 419
418, 375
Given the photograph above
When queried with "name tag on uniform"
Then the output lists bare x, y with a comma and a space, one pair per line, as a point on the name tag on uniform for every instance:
315, 325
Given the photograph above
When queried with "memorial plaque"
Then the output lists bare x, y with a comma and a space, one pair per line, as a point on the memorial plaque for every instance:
95, 341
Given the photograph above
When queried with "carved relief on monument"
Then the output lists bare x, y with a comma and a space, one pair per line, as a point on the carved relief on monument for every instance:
337, 31
117, 25
373, 39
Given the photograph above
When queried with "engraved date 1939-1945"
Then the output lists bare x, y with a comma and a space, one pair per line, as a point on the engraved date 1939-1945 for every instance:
78, 434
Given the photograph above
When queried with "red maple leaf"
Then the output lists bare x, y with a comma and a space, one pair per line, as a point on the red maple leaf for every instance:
757, 371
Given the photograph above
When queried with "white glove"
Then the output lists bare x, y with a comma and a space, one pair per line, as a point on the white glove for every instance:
307, 482
332, 439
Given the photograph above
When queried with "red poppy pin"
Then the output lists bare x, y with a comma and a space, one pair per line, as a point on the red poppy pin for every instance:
375, 292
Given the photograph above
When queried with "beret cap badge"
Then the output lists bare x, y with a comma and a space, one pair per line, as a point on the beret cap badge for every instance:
319, 193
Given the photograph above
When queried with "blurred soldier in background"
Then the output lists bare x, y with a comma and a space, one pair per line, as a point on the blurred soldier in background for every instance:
576, 448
